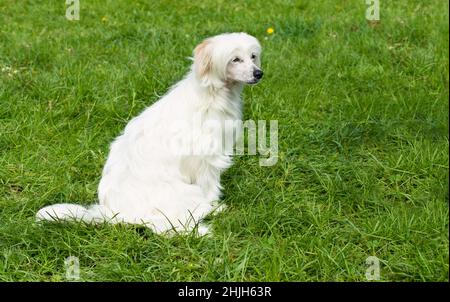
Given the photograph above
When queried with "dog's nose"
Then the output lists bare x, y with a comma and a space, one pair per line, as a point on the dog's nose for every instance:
258, 74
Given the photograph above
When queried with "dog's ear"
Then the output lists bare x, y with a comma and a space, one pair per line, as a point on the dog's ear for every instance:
203, 58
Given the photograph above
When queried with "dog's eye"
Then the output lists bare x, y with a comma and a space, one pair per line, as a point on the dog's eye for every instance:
253, 56
236, 60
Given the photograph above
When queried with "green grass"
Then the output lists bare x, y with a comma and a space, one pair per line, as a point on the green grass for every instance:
363, 139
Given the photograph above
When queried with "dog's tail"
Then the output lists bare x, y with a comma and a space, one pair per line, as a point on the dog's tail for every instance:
73, 212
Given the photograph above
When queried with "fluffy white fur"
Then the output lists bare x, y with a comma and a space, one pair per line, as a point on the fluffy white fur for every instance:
147, 179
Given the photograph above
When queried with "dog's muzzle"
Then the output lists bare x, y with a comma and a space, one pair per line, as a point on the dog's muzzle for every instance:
257, 75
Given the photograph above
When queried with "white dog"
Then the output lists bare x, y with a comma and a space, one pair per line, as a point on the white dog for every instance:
149, 178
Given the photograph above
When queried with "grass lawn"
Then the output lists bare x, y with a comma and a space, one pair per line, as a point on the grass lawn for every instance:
363, 139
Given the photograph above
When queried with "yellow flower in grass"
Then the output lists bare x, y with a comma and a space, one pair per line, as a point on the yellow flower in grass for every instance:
270, 30
104, 19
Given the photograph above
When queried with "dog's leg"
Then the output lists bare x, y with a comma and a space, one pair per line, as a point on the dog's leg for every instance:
209, 182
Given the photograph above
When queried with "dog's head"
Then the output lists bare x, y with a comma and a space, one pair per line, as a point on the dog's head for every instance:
227, 59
